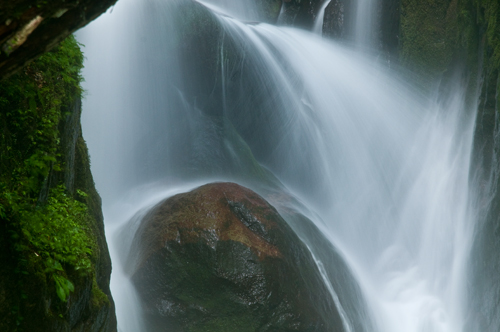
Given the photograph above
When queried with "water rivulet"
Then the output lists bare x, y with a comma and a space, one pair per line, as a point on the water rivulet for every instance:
200, 92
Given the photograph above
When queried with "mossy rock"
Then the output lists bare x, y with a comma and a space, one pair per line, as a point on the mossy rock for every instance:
52, 226
429, 35
220, 258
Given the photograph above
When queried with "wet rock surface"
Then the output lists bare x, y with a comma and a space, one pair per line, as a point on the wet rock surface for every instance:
299, 13
336, 19
220, 258
29, 28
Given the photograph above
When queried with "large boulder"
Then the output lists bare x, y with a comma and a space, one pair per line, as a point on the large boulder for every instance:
351, 302
220, 258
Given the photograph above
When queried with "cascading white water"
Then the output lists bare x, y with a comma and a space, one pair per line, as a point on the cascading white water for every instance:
318, 23
365, 22
384, 169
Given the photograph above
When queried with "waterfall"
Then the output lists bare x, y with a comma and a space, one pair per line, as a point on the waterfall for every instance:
380, 168
365, 23
318, 23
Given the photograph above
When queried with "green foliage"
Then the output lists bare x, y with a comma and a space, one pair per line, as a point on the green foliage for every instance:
57, 230
480, 32
63, 287
51, 227
32, 104
488, 15
57, 233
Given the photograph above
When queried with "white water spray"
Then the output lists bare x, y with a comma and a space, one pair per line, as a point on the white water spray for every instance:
318, 23
384, 168
365, 23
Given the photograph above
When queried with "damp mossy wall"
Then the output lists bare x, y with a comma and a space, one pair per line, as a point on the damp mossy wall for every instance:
436, 33
55, 265
428, 34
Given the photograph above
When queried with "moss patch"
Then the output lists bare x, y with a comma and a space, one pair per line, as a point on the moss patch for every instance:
99, 299
33, 103
429, 33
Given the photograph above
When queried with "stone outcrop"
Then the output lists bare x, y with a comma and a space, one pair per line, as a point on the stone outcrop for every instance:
90, 307
29, 299
220, 258
29, 28
45, 180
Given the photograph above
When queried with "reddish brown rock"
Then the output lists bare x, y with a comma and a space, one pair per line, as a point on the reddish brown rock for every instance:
220, 258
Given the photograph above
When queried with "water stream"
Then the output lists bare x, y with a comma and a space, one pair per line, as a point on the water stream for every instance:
318, 23
383, 167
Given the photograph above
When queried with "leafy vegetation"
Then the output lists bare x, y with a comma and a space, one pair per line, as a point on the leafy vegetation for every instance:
489, 15
44, 220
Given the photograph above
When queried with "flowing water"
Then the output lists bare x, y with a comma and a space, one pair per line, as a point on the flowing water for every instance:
381, 168
318, 23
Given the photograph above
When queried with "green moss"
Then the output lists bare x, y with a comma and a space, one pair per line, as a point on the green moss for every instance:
58, 233
32, 106
480, 36
50, 227
487, 17
99, 299
429, 32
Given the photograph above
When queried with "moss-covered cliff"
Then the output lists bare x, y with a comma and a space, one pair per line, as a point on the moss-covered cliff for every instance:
436, 34
54, 261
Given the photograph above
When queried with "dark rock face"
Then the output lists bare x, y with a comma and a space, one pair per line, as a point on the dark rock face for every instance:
340, 17
220, 258
299, 13
389, 27
335, 19
485, 291
31, 28
224, 99
30, 290
333, 263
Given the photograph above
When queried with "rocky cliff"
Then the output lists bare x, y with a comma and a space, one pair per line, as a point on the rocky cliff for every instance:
29, 28
54, 261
